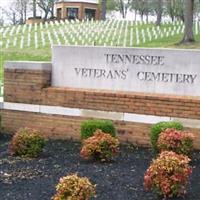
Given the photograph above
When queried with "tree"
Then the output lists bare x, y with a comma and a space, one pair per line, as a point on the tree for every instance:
111, 5
174, 8
142, 7
123, 7
103, 9
34, 8
8, 15
188, 18
25, 8
170, 9
18, 9
16, 12
118, 5
52, 5
1, 16
159, 12
47, 7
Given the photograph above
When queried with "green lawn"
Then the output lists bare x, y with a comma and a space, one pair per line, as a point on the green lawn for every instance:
24, 55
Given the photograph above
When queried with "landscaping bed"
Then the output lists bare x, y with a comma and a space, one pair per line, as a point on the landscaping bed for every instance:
122, 179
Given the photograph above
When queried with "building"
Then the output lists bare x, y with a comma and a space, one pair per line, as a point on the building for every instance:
78, 9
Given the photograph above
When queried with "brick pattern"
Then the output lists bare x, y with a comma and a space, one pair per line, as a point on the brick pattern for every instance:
139, 103
67, 127
25, 86
32, 87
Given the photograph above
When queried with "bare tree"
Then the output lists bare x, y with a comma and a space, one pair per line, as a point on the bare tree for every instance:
7, 15
17, 12
1, 16
47, 7
188, 16
25, 4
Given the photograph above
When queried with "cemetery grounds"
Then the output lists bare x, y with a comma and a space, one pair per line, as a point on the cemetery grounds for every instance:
35, 179
33, 42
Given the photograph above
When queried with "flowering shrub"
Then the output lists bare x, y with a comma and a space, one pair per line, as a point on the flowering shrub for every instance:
27, 143
100, 146
159, 127
178, 141
74, 188
168, 175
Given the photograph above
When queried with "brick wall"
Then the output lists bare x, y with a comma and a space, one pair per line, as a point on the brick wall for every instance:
140, 103
62, 127
67, 127
33, 87
29, 86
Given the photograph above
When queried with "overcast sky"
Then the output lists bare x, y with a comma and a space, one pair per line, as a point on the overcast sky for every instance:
4, 2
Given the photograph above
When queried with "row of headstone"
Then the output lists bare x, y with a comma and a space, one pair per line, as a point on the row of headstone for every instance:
108, 33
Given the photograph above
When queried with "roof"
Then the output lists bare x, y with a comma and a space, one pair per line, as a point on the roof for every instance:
80, 1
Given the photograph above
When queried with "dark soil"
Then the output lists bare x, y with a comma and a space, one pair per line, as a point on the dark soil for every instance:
35, 179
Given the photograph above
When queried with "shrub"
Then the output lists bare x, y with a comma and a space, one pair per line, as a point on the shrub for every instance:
180, 142
27, 143
89, 127
74, 188
100, 146
168, 175
156, 129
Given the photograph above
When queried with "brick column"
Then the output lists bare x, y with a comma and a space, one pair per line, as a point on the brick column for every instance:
24, 81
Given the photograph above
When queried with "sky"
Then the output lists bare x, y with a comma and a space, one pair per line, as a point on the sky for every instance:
4, 3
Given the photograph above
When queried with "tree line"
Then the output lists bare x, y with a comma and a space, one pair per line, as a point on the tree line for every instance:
173, 9
18, 11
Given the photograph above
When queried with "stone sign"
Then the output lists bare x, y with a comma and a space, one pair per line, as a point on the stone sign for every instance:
163, 71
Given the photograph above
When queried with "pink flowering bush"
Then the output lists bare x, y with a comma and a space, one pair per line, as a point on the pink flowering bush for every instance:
168, 175
178, 141
74, 187
101, 146
27, 142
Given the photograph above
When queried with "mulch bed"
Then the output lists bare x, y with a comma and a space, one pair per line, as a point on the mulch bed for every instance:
35, 179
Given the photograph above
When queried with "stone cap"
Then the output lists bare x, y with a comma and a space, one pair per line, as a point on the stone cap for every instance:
30, 65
